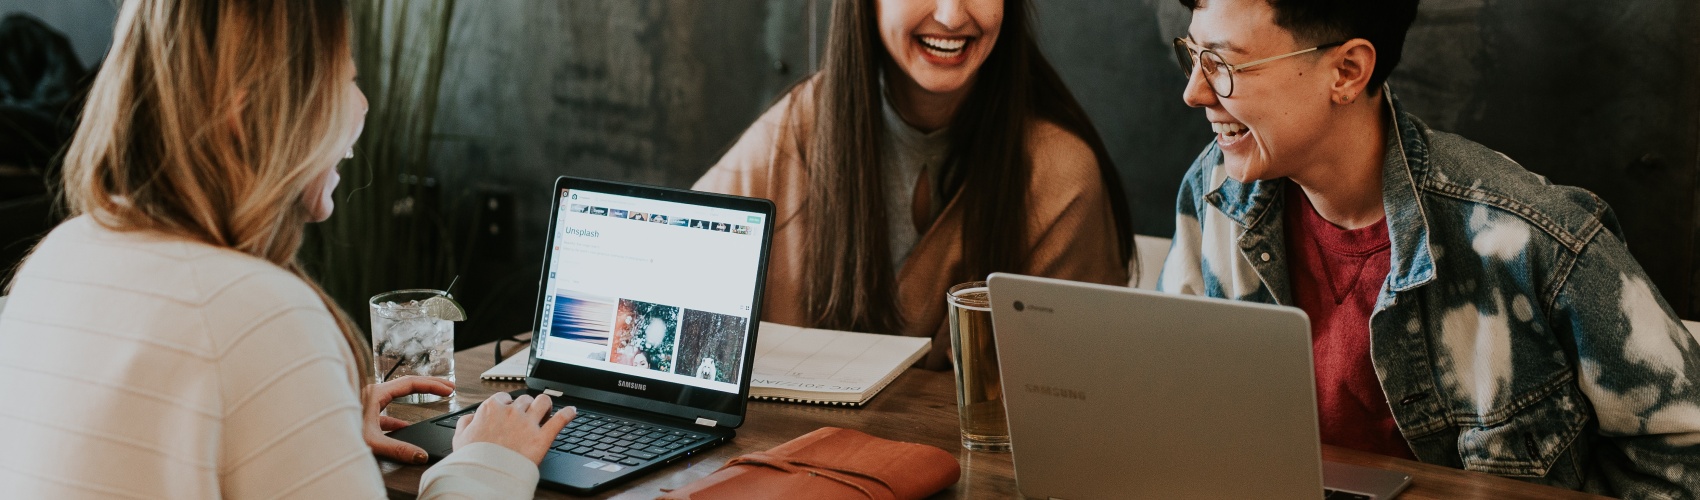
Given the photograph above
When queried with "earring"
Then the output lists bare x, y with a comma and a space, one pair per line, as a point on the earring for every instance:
350, 154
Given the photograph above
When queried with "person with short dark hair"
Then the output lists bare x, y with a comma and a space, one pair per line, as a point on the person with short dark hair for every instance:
1464, 311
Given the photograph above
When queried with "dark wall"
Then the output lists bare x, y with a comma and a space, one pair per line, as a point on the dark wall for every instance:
88, 23
645, 91
1604, 95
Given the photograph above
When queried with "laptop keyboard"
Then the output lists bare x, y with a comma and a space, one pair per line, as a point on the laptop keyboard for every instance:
1328, 494
616, 440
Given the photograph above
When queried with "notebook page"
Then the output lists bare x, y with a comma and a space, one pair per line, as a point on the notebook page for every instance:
513, 368
828, 361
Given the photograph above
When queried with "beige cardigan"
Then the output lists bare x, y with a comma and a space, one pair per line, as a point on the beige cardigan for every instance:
1071, 230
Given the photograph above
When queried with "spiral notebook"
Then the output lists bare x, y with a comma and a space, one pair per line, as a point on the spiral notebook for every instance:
809, 365
509, 370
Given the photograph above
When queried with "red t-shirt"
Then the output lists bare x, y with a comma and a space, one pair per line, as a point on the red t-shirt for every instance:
1336, 275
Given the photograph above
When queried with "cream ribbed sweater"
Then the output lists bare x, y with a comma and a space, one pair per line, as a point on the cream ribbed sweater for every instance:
136, 365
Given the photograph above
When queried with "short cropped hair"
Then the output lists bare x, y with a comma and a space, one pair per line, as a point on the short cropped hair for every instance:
1382, 22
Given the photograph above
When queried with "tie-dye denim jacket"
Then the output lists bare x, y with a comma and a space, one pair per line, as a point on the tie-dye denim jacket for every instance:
1514, 335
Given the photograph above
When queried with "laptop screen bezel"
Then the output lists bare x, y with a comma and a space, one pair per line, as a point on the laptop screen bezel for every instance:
667, 398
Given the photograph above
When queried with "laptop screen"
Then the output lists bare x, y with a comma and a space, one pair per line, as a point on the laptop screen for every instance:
651, 290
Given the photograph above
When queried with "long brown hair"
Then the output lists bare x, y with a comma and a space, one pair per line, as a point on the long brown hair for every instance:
851, 283
210, 119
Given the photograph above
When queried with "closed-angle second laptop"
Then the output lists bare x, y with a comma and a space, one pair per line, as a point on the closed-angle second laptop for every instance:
1116, 392
646, 321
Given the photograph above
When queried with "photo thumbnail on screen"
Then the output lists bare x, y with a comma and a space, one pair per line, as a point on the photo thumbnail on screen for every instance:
711, 346
584, 318
644, 335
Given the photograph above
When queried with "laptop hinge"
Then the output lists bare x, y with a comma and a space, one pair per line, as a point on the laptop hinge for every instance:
552, 393
706, 422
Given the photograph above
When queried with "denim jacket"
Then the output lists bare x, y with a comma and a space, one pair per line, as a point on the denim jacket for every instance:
1514, 335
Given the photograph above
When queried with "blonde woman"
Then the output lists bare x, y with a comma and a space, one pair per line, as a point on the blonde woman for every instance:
164, 342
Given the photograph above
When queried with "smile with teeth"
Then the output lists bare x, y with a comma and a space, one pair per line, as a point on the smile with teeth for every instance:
1229, 130
944, 48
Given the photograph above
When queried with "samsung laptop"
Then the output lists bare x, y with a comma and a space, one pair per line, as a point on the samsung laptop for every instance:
1114, 392
646, 320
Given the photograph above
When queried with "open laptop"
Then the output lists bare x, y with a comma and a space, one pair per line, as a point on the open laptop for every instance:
645, 321
1115, 392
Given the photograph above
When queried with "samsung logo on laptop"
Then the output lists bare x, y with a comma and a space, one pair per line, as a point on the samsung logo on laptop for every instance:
633, 385
1023, 306
1055, 392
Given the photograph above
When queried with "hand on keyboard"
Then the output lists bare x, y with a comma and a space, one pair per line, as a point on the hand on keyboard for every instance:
514, 424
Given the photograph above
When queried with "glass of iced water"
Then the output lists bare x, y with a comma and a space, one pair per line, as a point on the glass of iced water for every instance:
413, 333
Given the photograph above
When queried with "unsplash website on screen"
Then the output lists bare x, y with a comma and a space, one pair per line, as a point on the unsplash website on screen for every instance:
651, 288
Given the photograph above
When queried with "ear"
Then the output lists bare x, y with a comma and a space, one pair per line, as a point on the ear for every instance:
1353, 71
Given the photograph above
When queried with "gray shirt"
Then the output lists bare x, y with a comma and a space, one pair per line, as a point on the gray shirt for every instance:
907, 154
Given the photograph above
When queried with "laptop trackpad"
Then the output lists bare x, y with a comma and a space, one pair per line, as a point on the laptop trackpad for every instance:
578, 471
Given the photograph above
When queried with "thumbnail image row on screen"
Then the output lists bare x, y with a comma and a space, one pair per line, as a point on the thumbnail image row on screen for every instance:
723, 227
655, 336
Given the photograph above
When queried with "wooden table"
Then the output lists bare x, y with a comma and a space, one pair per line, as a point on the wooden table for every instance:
918, 407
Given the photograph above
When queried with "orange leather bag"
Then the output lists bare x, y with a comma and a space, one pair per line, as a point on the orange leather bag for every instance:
830, 463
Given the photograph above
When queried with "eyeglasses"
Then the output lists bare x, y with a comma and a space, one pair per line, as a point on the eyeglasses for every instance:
1218, 73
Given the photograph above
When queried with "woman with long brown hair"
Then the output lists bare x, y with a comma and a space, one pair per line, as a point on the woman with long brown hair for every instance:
164, 342
935, 146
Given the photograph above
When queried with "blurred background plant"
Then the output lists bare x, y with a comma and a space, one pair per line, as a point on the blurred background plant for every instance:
392, 226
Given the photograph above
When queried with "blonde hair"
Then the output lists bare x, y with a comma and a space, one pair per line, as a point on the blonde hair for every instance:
210, 119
